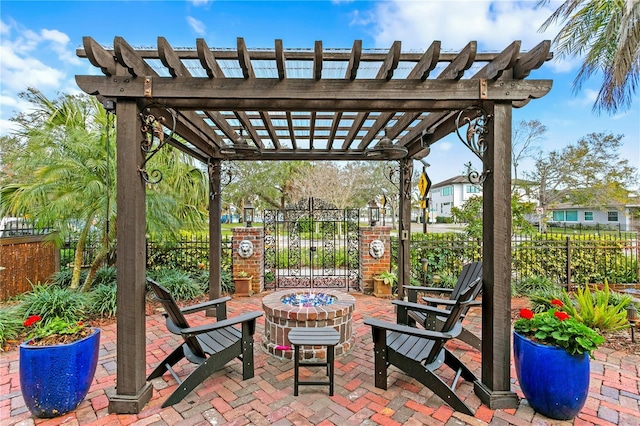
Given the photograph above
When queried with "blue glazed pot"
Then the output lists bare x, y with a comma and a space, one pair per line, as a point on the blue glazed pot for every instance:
55, 379
555, 383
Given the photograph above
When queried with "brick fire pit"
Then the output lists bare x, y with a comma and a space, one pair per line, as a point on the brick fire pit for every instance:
280, 318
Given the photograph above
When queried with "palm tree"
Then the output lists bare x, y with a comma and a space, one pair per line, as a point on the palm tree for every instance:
607, 33
62, 176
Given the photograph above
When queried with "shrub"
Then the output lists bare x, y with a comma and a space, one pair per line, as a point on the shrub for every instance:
103, 300
62, 279
178, 283
50, 301
541, 298
534, 284
202, 279
10, 324
105, 275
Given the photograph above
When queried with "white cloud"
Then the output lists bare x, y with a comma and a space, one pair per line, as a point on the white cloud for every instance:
32, 59
443, 145
587, 98
20, 71
494, 24
58, 42
196, 25
198, 3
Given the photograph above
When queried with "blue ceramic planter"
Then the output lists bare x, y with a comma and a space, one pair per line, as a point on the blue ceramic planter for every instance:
55, 379
555, 383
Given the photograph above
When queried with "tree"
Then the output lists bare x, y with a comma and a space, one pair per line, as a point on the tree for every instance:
607, 34
60, 176
470, 213
589, 172
271, 184
524, 143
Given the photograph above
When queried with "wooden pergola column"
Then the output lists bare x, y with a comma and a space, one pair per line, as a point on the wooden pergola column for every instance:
132, 391
495, 389
404, 228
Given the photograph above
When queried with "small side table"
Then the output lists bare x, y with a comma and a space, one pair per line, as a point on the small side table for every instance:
323, 336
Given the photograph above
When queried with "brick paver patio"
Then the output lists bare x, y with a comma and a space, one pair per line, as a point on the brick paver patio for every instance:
267, 399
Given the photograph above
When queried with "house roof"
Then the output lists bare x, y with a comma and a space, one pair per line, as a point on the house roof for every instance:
456, 179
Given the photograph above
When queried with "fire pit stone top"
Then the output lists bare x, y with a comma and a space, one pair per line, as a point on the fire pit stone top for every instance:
282, 304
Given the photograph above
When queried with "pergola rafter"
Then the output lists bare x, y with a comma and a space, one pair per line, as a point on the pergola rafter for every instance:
312, 104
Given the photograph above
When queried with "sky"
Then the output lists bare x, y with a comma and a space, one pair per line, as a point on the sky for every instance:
38, 40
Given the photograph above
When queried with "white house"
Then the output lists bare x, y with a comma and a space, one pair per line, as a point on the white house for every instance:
453, 192
624, 218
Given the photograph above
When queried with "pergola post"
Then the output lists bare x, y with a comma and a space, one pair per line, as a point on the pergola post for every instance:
404, 228
495, 389
132, 391
215, 230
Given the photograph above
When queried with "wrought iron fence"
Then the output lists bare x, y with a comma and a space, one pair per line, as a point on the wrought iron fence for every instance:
575, 259
566, 259
187, 254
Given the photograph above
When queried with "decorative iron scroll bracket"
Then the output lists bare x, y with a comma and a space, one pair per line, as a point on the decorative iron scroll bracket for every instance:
476, 120
154, 139
477, 178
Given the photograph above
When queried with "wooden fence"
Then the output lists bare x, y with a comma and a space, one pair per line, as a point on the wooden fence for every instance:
25, 260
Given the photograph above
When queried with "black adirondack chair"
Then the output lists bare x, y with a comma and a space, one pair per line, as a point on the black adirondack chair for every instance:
419, 353
209, 346
470, 272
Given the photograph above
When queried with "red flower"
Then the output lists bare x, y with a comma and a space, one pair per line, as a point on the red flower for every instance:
80, 324
526, 313
561, 315
32, 320
557, 303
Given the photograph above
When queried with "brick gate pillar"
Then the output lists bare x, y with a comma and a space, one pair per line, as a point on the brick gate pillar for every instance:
254, 263
371, 266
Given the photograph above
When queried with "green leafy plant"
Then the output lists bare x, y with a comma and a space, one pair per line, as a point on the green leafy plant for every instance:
49, 301
557, 328
541, 299
179, 283
533, 284
241, 274
595, 310
55, 331
103, 300
10, 324
389, 278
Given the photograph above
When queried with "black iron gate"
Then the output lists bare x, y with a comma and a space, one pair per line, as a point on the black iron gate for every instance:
311, 245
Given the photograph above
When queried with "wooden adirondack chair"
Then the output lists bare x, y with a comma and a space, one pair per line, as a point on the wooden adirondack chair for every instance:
209, 346
419, 353
470, 272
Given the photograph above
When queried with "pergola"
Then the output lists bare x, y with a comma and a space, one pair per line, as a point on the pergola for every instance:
310, 104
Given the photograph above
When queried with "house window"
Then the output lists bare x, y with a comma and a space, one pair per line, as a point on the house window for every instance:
588, 216
558, 215
612, 216
572, 216
472, 189
446, 191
